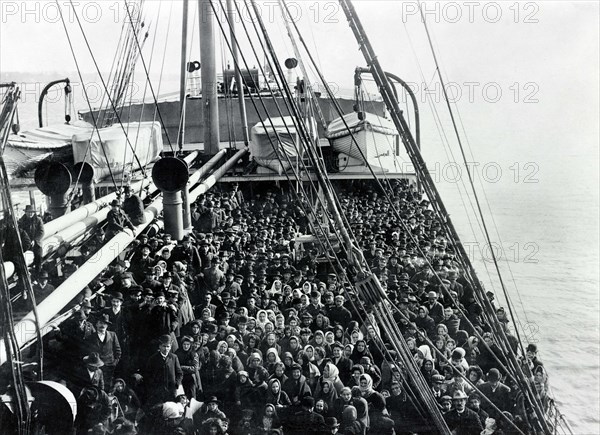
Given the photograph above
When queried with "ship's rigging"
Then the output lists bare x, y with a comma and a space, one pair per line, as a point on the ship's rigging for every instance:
373, 298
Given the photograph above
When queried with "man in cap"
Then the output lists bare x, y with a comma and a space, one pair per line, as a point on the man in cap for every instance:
461, 420
33, 225
187, 252
116, 221
88, 374
331, 425
106, 344
438, 387
474, 404
42, 289
141, 261
150, 281
213, 277
339, 314
163, 374
496, 392
436, 309
115, 315
208, 219
74, 333
133, 207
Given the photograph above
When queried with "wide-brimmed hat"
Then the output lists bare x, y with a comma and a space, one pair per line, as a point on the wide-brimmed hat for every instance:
29, 208
104, 318
93, 360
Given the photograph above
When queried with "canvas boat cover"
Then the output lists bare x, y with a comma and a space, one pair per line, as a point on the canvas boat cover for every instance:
109, 147
49, 138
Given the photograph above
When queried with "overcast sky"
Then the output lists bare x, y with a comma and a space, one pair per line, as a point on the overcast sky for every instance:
531, 60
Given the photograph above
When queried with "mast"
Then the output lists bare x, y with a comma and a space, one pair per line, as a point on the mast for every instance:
208, 70
183, 73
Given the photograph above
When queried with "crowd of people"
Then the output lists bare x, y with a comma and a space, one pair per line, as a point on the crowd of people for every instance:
241, 329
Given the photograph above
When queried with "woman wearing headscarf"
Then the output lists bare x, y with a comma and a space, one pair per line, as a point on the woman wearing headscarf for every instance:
350, 424
344, 399
338, 334
318, 339
331, 373
261, 319
296, 386
226, 381
360, 350
254, 362
327, 392
275, 394
279, 372
271, 360
268, 420
309, 370
428, 370
276, 288
270, 342
362, 408
424, 321
423, 353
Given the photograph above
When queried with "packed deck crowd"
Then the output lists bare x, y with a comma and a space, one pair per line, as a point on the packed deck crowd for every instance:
240, 329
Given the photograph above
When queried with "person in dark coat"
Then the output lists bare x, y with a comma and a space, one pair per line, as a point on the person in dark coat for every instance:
42, 289
304, 421
133, 207
116, 221
435, 308
296, 386
338, 314
343, 364
190, 364
74, 334
106, 344
496, 392
93, 407
88, 374
380, 423
187, 253
460, 419
163, 374
33, 225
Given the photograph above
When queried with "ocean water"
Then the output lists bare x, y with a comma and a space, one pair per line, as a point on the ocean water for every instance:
545, 208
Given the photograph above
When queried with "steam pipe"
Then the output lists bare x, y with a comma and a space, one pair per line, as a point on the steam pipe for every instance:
67, 228
205, 186
196, 176
77, 215
25, 329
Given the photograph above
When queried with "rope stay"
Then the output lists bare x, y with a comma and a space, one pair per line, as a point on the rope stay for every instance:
433, 195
